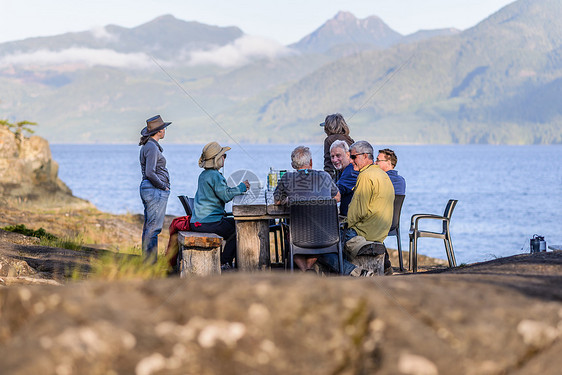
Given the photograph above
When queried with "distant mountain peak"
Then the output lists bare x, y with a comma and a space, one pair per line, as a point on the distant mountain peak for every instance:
166, 20
347, 18
344, 16
165, 17
346, 29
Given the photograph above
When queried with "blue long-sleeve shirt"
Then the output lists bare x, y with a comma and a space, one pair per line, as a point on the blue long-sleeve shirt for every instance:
398, 182
212, 195
345, 184
153, 165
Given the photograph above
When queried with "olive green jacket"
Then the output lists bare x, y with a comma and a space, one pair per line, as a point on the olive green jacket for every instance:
372, 206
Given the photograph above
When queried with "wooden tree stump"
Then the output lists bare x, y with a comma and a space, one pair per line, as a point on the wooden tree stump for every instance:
373, 263
200, 253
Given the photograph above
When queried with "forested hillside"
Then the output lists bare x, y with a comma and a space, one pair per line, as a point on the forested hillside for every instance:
498, 82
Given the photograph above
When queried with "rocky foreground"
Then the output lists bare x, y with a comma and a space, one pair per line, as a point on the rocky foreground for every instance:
498, 317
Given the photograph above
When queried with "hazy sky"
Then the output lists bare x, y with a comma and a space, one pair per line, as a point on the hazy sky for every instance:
284, 21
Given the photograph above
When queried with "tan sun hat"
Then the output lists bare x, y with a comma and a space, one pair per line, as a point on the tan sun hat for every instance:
211, 154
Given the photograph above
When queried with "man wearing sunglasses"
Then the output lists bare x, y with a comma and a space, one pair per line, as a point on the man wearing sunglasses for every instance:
371, 208
387, 160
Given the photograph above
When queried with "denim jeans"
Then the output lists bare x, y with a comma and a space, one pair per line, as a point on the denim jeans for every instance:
332, 261
349, 233
154, 201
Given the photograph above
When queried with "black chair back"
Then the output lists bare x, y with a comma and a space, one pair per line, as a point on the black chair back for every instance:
398, 202
187, 204
314, 229
395, 227
314, 224
449, 212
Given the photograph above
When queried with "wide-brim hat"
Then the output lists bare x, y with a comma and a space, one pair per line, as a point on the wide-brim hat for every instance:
153, 126
211, 153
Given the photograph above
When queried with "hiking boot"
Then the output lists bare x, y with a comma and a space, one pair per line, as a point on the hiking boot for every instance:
372, 249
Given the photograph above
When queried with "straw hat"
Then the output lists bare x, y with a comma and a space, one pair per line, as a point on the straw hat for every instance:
211, 153
154, 125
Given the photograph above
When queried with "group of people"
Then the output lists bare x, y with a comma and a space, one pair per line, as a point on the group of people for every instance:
364, 186
209, 204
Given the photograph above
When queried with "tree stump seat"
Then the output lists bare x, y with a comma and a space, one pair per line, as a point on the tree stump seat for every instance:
200, 253
373, 263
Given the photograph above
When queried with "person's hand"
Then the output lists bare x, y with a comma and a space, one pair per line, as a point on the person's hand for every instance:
338, 197
282, 202
247, 183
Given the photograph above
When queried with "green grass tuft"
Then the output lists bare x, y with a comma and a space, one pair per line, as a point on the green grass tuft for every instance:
125, 266
46, 238
22, 229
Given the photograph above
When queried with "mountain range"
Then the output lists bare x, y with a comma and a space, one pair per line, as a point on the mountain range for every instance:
497, 82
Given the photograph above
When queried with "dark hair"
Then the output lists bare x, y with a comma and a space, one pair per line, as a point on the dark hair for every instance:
335, 124
391, 155
143, 140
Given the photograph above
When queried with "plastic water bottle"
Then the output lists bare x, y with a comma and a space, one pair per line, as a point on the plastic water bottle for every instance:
271, 179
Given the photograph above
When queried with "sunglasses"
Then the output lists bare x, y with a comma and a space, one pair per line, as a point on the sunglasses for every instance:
353, 156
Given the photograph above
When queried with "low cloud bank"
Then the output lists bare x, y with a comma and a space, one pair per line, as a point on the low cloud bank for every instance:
103, 34
86, 56
240, 52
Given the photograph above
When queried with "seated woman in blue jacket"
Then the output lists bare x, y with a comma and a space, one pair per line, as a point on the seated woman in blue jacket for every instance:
212, 194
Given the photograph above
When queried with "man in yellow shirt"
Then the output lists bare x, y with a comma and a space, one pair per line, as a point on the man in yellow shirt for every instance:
371, 208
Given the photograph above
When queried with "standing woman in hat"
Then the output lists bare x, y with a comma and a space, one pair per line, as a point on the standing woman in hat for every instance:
336, 129
155, 184
212, 194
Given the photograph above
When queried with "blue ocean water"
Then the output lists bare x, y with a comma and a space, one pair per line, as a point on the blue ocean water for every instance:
506, 193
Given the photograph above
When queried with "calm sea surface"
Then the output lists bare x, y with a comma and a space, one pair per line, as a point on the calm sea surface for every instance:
506, 193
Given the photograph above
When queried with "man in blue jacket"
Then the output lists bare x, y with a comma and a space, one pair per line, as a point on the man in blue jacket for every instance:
339, 154
387, 160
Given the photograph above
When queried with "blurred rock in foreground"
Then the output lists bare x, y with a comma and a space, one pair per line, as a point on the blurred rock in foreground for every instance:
29, 175
498, 317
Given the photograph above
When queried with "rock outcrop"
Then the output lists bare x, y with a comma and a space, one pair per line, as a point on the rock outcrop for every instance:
29, 175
